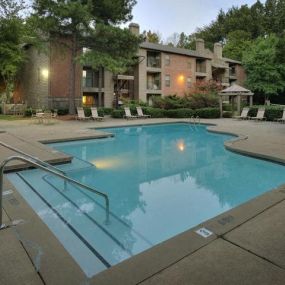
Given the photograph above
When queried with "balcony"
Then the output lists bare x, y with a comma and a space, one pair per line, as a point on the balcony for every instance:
156, 85
153, 59
201, 68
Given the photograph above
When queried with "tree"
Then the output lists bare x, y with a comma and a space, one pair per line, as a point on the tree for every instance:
237, 43
152, 37
184, 41
91, 24
265, 72
13, 34
173, 40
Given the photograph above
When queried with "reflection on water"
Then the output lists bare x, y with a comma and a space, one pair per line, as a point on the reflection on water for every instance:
161, 181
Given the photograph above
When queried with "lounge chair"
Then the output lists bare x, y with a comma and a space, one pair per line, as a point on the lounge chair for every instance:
95, 115
128, 114
141, 114
259, 116
243, 115
81, 114
282, 119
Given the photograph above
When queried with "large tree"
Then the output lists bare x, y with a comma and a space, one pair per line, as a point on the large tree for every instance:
92, 24
265, 71
237, 43
13, 34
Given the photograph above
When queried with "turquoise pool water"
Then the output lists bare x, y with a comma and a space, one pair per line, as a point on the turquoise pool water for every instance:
161, 180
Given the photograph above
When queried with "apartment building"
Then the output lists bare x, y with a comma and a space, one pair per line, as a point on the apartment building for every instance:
161, 70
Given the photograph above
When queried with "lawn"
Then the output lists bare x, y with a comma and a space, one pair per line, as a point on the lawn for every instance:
11, 117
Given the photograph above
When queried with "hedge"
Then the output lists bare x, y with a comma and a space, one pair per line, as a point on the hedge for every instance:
176, 113
271, 112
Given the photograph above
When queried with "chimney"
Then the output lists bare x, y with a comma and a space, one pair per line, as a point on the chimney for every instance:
134, 28
200, 45
218, 50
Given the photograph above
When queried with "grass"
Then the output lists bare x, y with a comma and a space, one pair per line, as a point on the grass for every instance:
10, 117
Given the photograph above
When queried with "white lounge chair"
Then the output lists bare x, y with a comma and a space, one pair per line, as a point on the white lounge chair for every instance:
128, 114
259, 116
282, 119
95, 115
81, 114
243, 115
141, 114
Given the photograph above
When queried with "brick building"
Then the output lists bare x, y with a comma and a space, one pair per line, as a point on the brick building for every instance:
162, 70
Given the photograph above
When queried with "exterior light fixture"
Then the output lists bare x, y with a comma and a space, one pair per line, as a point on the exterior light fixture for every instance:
45, 73
181, 78
84, 100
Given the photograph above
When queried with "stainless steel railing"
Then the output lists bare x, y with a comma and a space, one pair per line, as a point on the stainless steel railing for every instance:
32, 157
56, 173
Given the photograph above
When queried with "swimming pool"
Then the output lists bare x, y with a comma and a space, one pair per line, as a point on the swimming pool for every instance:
161, 180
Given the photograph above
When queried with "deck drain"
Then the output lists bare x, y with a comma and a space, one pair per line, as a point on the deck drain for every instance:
203, 232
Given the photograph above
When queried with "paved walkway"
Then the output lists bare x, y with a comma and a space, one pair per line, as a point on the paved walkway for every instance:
247, 245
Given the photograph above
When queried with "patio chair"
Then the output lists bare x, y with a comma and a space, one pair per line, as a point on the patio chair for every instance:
81, 114
243, 115
95, 115
128, 114
259, 116
141, 114
282, 119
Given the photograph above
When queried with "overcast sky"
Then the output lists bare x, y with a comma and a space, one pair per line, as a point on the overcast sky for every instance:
170, 16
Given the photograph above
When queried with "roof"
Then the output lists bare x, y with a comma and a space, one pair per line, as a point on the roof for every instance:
231, 60
236, 90
170, 49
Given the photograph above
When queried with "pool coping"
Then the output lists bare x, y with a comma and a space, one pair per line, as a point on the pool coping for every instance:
165, 254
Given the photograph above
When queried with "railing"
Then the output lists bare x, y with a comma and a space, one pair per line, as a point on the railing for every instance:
32, 157
56, 173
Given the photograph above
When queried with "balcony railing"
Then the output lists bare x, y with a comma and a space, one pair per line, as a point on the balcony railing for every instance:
154, 85
154, 62
201, 68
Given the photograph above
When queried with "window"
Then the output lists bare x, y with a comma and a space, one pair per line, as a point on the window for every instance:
167, 60
189, 82
167, 80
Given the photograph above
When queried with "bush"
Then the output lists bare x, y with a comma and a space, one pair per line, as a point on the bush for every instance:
154, 112
62, 111
271, 112
227, 114
118, 113
198, 101
28, 112
208, 113
179, 113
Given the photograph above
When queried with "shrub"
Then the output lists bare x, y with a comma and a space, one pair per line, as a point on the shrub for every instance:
208, 113
179, 113
198, 101
273, 112
227, 114
118, 113
154, 112
28, 112
62, 111
105, 111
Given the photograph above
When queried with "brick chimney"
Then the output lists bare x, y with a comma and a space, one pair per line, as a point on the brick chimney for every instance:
218, 50
200, 45
134, 28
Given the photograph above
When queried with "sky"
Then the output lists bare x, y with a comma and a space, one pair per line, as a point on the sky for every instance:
170, 16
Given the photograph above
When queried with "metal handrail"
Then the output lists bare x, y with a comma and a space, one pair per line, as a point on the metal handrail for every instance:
32, 157
37, 165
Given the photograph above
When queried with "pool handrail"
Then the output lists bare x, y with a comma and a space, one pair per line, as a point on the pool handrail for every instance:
56, 173
32, 157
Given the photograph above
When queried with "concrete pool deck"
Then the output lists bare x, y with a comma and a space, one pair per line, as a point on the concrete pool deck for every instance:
247, 245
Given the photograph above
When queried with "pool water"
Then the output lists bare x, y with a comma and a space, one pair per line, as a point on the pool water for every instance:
161, 180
